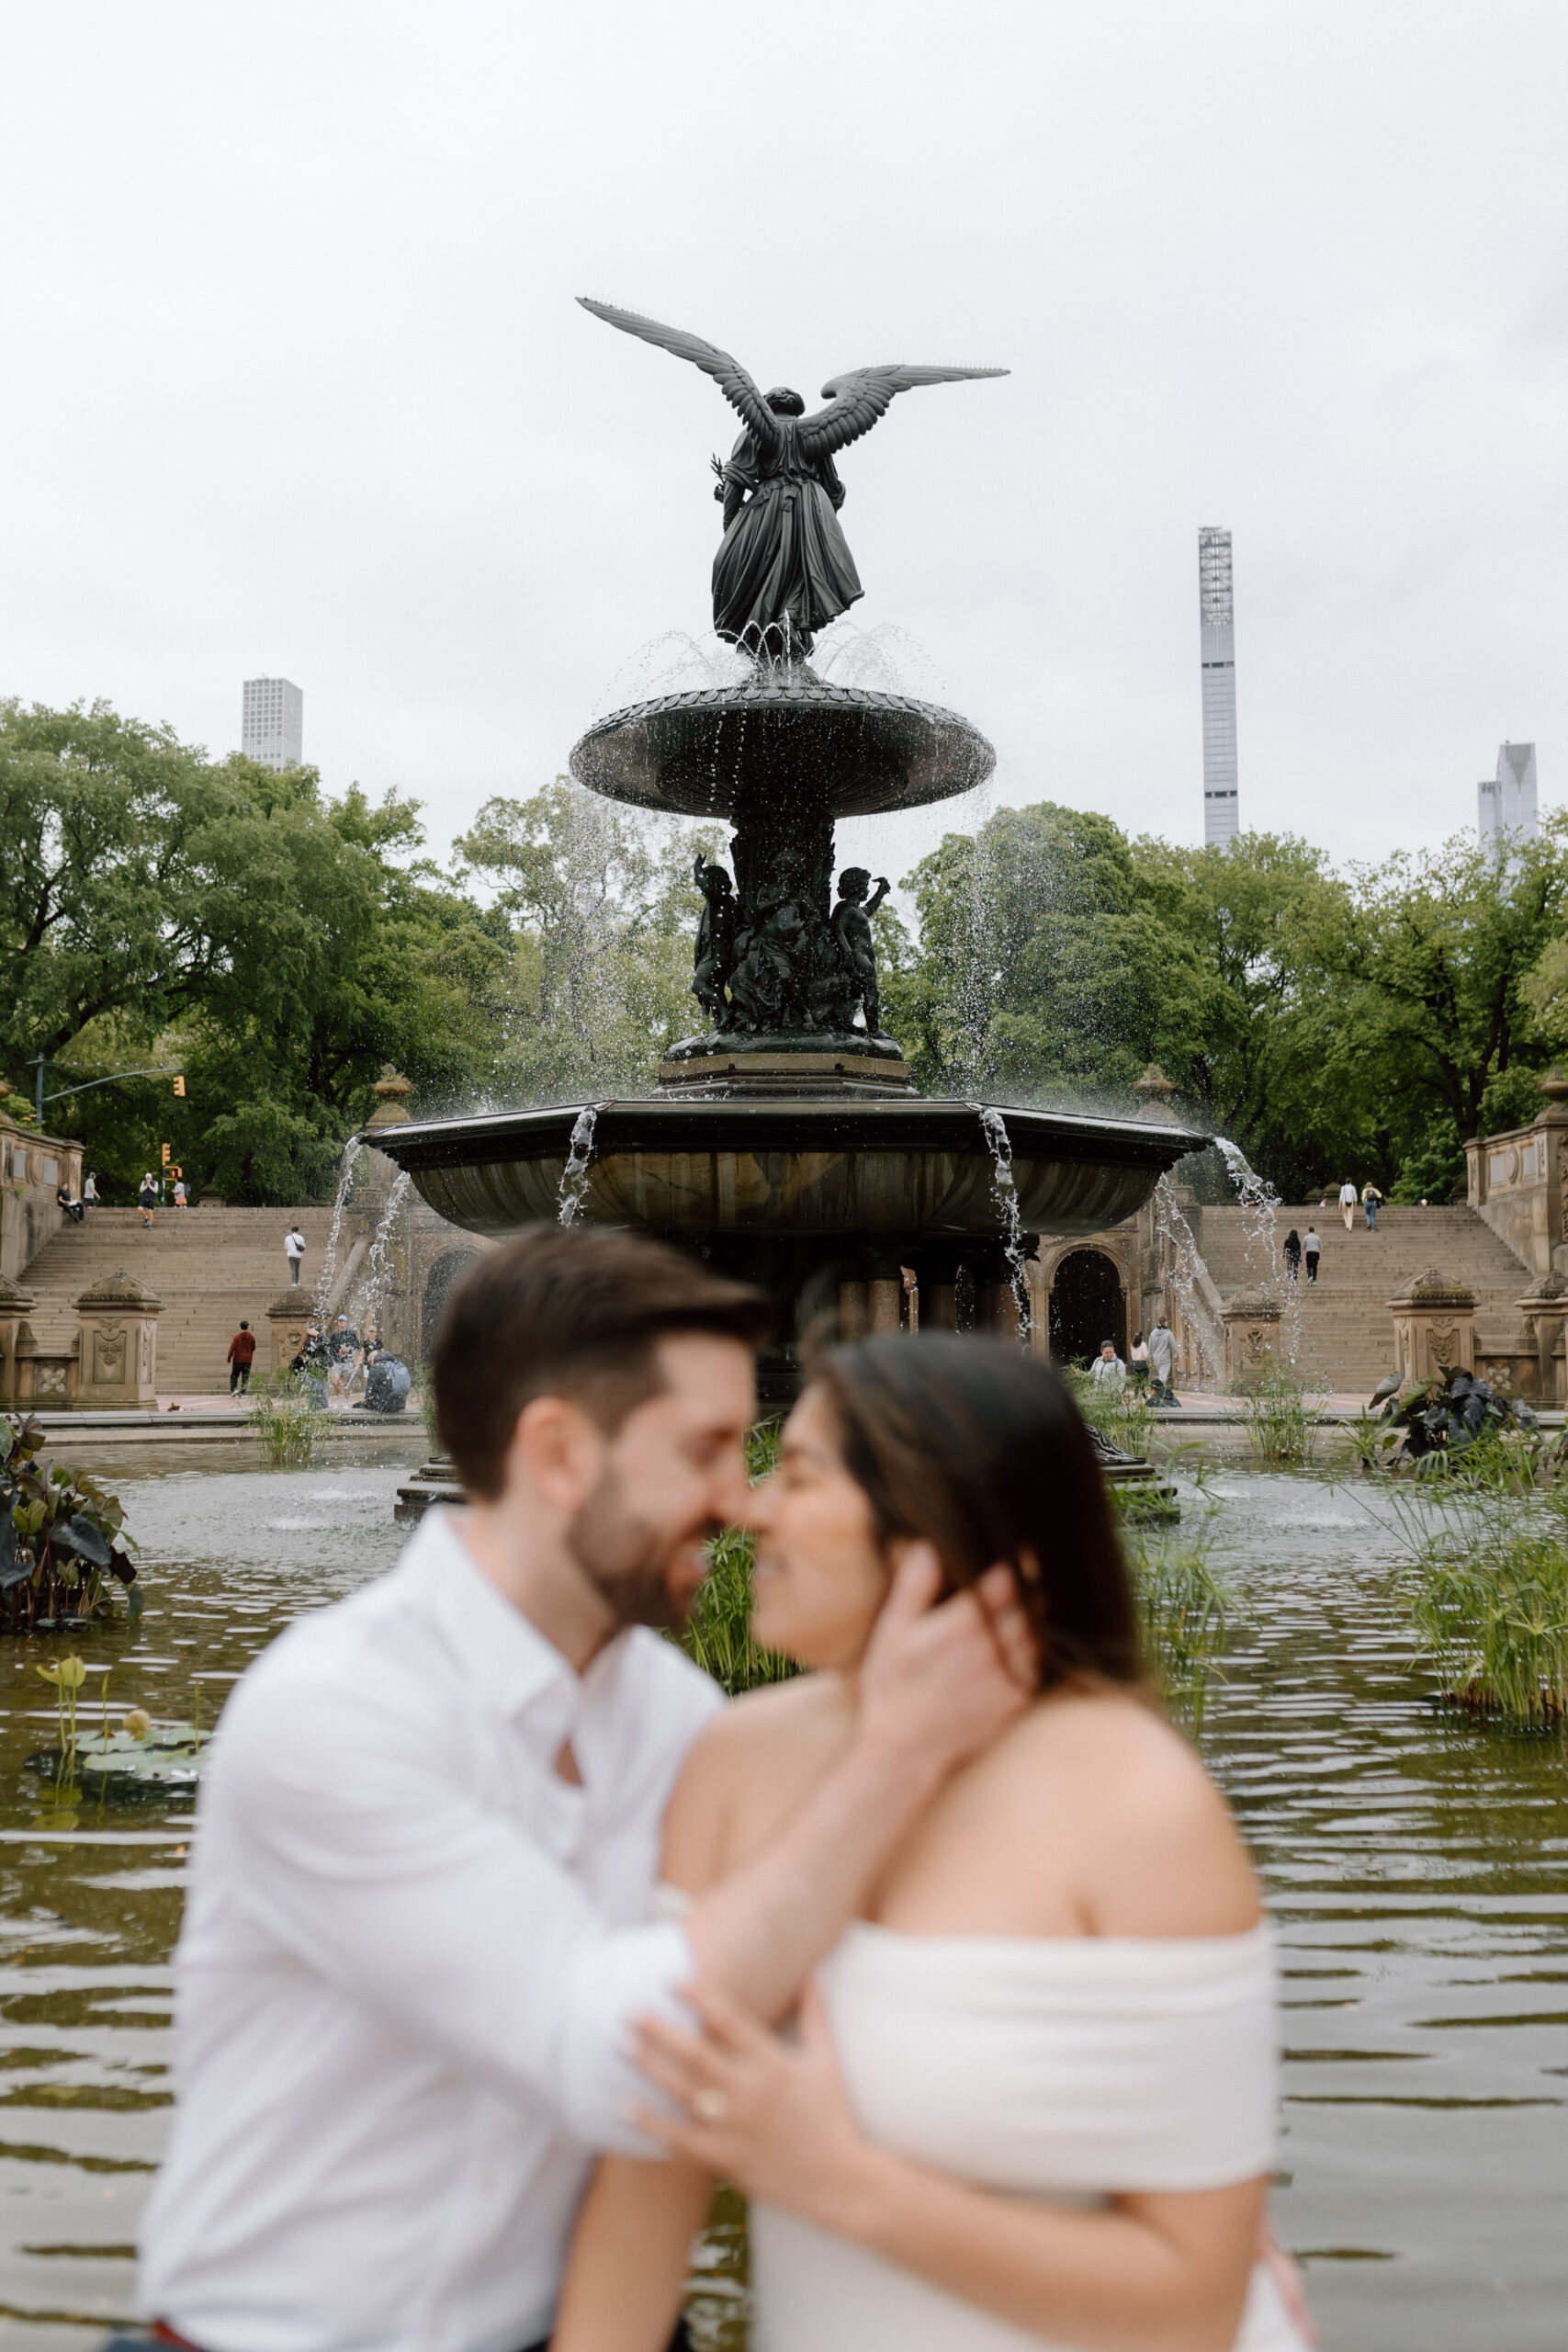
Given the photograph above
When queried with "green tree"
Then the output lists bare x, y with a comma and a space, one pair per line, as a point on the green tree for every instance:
1273, 1060
156, 905
1042, 965
1447, 967
603, 922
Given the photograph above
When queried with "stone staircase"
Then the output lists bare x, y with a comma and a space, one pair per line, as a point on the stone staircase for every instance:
1347, 1330
210, 1266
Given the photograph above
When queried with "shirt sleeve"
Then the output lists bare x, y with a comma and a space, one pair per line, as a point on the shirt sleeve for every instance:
357, 1856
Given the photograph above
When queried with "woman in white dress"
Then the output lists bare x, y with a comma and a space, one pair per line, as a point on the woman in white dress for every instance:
1031, 2097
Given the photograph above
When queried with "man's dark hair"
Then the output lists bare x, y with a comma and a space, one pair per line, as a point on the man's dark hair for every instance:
243, 1325
568, 1311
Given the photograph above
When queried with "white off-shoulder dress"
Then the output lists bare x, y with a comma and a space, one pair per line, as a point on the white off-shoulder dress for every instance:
1063, 2071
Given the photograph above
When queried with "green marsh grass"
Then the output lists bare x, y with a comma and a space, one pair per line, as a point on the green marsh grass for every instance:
290, 1422
1487, 1578
1281, 1411
718, 1635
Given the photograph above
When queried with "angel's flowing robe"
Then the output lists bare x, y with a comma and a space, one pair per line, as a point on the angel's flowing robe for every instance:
783, 560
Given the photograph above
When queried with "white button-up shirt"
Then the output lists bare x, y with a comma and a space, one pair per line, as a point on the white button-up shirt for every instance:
409, 1953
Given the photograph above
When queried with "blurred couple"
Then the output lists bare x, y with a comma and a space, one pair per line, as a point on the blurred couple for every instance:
505, 1936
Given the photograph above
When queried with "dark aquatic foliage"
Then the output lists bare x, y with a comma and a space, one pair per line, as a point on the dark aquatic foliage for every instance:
61, 1535
1447, 1416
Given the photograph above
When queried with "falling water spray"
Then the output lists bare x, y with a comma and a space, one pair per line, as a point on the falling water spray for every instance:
1259, 1207
1004, 1192
1207, 1339
579, 1164
328, 1274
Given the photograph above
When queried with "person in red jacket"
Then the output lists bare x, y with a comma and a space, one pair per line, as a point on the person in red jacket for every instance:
242, 1348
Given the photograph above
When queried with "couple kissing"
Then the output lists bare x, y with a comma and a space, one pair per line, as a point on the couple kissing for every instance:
505, 1936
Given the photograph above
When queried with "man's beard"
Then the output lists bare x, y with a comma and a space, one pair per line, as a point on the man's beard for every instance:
628, 1562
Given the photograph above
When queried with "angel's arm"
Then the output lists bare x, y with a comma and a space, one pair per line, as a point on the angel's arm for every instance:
728, 373
856, 401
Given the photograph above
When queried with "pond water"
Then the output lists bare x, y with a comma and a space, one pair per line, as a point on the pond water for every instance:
1416, 1866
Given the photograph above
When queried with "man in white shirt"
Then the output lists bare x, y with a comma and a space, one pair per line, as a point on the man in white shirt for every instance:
294, 1250
1347, 1204
418, 1921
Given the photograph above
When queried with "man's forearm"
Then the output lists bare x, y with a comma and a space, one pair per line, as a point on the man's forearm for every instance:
761, 1930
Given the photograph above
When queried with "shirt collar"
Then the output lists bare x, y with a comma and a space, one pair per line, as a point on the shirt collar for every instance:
511, 1668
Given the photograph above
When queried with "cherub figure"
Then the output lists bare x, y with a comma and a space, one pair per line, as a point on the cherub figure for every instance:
783, 569
853, 938
715, 939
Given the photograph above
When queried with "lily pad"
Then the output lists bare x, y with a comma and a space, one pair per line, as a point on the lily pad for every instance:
163, 1762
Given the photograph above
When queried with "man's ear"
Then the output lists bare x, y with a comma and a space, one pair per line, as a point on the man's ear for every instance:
557, 1454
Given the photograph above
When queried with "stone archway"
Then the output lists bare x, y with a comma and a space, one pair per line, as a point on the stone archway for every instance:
445, 1272
1088, 1305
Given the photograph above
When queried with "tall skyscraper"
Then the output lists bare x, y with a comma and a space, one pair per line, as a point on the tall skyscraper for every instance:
272, 722
1505, 803
1216, 633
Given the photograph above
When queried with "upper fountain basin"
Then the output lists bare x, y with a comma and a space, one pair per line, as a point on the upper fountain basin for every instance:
783, 734
804, 1167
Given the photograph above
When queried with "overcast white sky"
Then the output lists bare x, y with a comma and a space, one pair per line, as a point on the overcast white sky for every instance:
295, 381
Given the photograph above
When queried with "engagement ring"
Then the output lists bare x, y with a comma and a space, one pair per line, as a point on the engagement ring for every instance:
710, 2107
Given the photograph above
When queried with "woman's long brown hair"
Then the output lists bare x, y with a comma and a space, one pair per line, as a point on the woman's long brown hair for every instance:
981, 1451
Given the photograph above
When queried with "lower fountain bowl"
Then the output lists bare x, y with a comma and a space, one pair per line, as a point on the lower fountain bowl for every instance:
791, 1167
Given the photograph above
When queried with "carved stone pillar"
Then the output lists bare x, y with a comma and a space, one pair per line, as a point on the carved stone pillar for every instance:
43, 1377
1434, 1327
16, 1306
118, 1343
996, 1303
1251, 1322
937, 1269
287, 1319
854, 1315
1545, 1312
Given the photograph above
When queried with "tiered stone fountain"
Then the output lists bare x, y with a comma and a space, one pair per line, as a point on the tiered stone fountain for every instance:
786, 1142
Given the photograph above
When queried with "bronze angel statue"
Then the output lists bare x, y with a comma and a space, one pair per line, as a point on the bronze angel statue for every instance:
783, 569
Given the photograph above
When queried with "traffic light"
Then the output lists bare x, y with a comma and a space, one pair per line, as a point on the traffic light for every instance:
166, 1154
180, 1084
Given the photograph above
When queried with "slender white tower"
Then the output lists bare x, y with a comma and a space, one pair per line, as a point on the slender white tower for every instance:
1216, 631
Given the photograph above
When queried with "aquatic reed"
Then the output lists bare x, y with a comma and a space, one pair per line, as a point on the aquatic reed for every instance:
1282, 1425
1488, 1590
1183, 1607
718, 1635
290, 1421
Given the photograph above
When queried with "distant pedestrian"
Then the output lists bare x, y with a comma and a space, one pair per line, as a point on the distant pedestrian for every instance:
1312, 1250
90, 1192
1162, 1356
310, 1362
146, 1198
388, 1381
1347, 1204
181, 1197
1292, 1247
294, 1250
1108, 1370
72, 1208
242, 1352
1370, 1196
1138, 1364
343, 1346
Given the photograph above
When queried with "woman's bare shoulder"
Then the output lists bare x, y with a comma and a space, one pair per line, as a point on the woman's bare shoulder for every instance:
1158, 1853
749, 1767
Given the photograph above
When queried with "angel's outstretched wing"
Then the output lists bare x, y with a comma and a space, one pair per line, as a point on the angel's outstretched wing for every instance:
727, 374
857, 400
